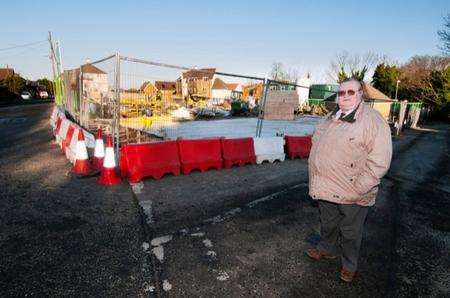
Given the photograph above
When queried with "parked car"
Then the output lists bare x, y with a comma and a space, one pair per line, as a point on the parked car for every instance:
43, 94
25, 95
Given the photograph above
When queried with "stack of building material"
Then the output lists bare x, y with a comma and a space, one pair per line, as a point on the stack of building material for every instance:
280, 105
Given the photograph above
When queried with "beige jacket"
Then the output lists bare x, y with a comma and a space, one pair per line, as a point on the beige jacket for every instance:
349, 157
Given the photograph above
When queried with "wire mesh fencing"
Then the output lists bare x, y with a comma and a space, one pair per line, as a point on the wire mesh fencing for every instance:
281, 108
161, 101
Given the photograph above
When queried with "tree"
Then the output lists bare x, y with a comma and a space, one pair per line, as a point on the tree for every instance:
279, 73
47, 84
15, 83
346, 65
427, 79
444, 36
385, 78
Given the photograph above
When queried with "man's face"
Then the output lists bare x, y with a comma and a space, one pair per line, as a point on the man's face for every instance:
349, 95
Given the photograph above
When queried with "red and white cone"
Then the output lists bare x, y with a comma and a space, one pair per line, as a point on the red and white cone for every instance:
108, 175
99, 151
81, 165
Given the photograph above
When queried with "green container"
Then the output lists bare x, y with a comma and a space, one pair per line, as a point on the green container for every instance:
322, 91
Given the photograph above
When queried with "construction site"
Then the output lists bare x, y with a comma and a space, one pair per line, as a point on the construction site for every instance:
172, 149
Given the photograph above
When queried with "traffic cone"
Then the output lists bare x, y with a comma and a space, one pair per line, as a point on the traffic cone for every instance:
99, 151
81, 165
108, 174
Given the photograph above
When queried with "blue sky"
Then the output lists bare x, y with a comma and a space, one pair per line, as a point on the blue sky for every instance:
233, 36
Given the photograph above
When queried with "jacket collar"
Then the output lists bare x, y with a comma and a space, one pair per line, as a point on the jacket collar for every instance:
349, 117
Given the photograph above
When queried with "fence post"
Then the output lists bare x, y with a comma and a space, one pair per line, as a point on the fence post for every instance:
401, 118
262, 107
80, 97
116, 121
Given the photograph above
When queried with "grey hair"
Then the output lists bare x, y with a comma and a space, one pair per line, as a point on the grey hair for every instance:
353, 80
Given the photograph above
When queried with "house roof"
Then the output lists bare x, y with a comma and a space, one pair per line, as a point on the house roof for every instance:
232, 86
144, 85
219, 84
89, 68
199, 73
5, 72
165, 85
372, 93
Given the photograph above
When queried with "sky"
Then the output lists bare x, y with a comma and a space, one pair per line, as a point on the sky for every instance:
243, 37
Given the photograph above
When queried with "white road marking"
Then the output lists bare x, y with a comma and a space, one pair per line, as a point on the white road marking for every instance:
148, 210
223, 276
211, 253
161, 240
207, 243
137, 187
158, 251
167, 286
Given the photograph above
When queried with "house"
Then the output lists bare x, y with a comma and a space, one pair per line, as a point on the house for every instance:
6, 72
148, 89
253, 92
236, 90
94, 83
219, 90
195, 83
377, 100
165, 90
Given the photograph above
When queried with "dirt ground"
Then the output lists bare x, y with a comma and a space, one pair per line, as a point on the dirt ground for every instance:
231, 233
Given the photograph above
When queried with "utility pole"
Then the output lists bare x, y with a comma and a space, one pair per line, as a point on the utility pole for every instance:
396, 89
52, 55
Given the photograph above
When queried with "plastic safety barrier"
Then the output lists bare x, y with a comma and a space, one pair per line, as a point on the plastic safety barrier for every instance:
62, 132
149, 160
298, 146
57, 126
269, 149
53, 117
201, 154
68, 138
237, 152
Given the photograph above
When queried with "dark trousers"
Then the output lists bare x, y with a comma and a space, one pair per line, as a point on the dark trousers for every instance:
342, 224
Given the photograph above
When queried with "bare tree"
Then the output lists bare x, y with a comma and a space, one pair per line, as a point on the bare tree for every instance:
352, 65
279, 73
420, 77
444, 36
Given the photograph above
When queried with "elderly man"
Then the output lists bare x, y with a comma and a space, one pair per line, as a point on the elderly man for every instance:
351, 151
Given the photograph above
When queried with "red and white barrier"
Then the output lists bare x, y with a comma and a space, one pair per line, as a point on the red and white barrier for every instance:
201, 154
149, 160
269, 149
62, 132
237, 152
298, 146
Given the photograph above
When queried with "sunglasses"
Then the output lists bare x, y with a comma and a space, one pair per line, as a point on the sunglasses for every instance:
349, 92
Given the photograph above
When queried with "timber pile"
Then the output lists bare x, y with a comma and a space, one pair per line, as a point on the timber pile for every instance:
280, 105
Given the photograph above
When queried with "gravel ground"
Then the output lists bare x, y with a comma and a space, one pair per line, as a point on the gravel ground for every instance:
224, 246
62, 236
231, 233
